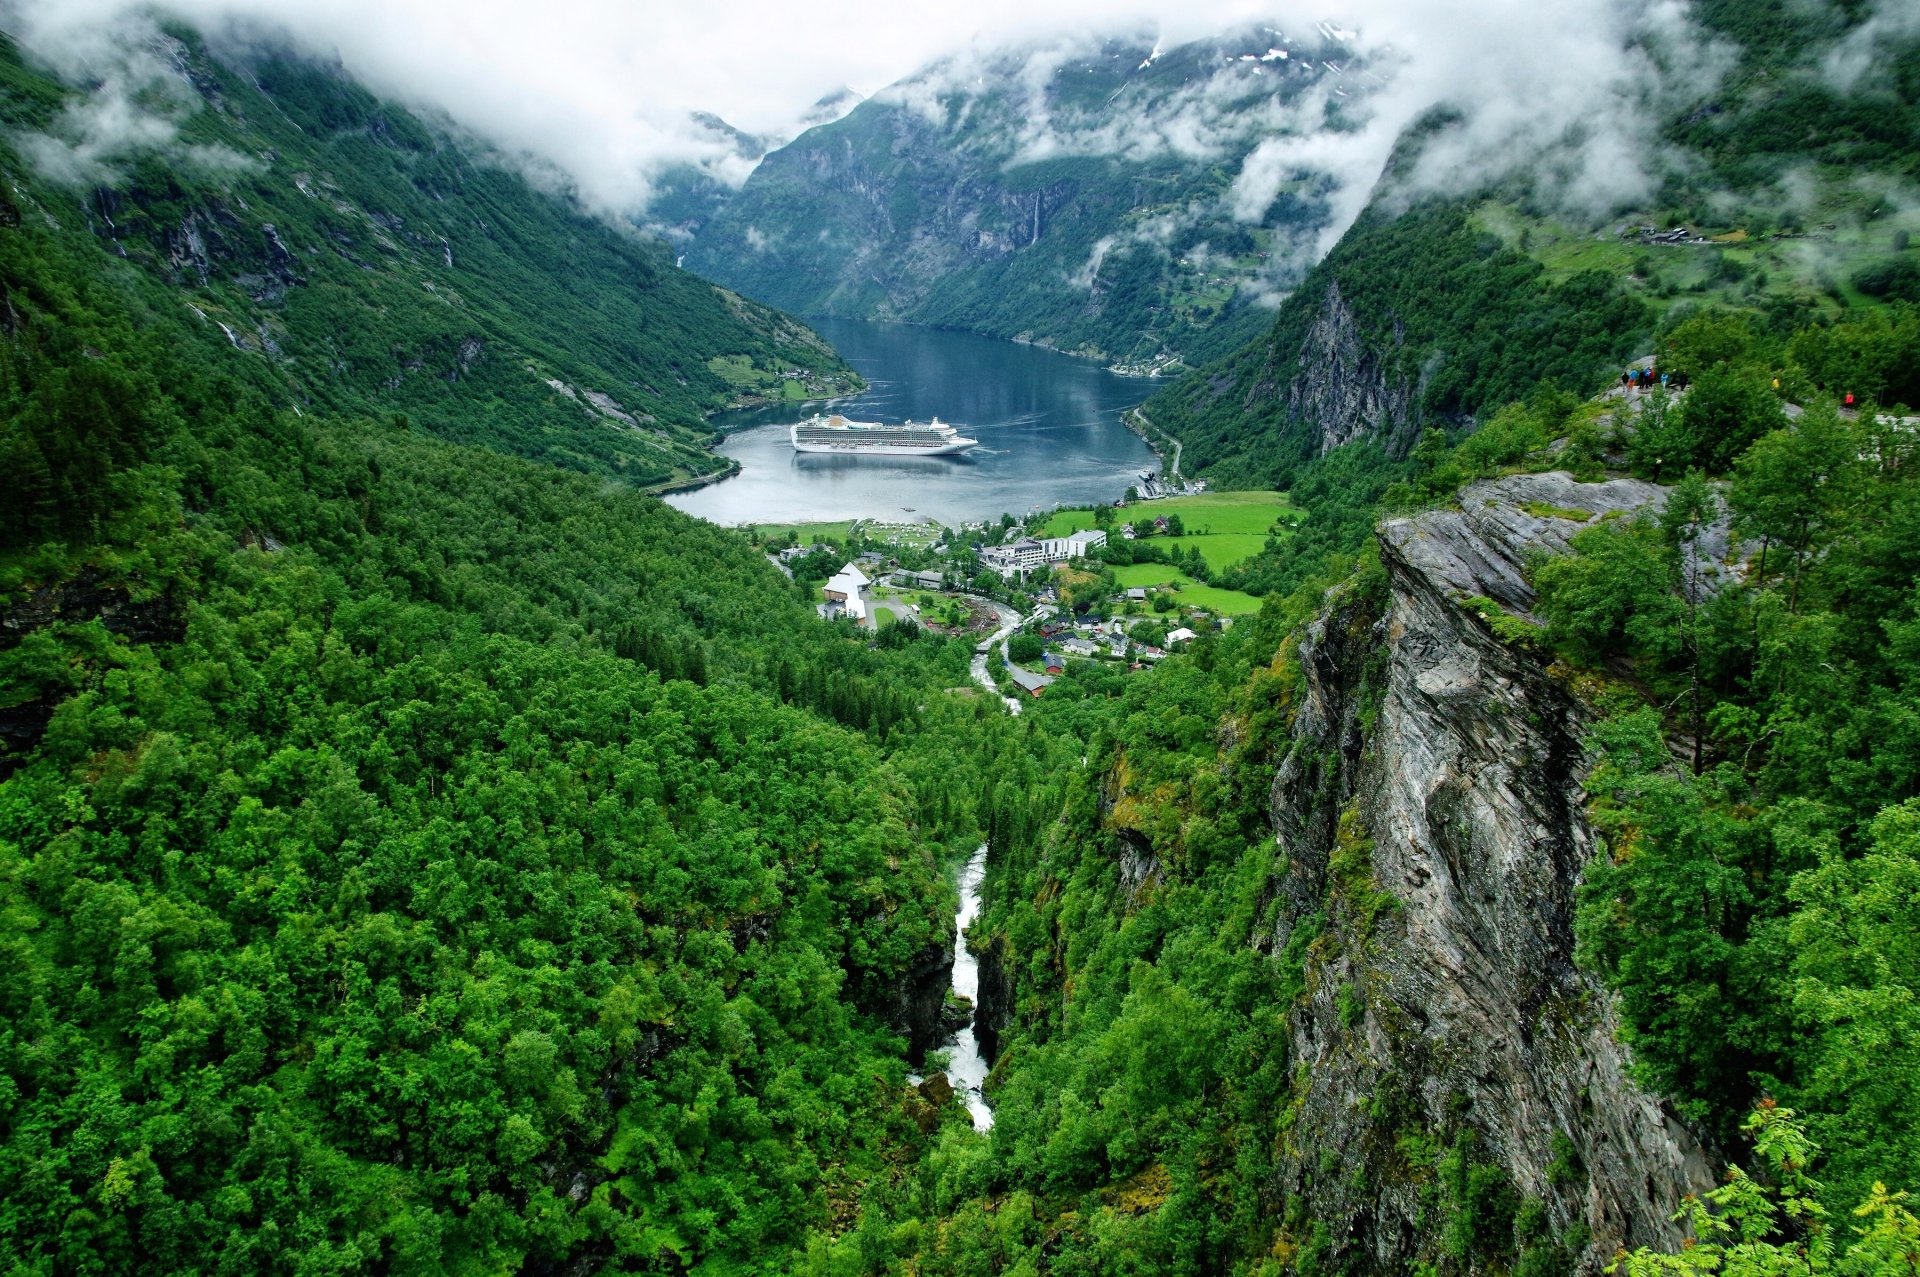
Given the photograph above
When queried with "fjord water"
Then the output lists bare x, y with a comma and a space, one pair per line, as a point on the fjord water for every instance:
1048, 425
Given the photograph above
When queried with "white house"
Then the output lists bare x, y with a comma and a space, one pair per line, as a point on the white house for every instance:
1181, 635
848, 590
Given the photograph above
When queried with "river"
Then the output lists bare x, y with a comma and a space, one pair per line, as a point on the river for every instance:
1048, 424
966, 1068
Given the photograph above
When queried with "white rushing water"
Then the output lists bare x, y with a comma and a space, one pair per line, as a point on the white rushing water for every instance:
966, 1070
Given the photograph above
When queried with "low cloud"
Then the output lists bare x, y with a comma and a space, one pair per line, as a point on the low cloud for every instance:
1868, 47
606, 91
138, 100
607, 94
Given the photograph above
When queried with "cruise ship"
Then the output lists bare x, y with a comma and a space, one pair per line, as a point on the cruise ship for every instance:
837, 434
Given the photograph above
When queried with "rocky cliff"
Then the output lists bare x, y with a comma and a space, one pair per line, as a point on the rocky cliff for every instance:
1415, 318
1345, 389
1430, 811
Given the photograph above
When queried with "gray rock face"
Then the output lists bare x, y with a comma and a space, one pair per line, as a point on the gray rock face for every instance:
1434, 764
1344, 389
1483, 548
917, 1005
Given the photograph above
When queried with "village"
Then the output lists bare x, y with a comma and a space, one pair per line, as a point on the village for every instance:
1099, 590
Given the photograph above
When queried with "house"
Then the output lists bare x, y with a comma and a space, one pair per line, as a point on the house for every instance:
847, 592
1181, 635
1117, 644
1127, 533
872, 558
1160, 523
1078, 647
1053, 663
1031, 684
1148, 652
1138, 594
910, 580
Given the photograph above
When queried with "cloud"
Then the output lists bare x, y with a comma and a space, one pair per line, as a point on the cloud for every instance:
1866, 48
606, 91
139, 96
1572, 94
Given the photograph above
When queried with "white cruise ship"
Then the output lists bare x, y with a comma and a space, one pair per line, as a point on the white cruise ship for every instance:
837, 434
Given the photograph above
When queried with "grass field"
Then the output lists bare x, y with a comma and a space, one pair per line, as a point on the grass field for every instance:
1210, 512
1217, 600
899, 534
1220, 550
1189, 592
1226, 527
1130, 575
775, 534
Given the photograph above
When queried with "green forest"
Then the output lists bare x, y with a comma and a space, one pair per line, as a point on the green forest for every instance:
424, 851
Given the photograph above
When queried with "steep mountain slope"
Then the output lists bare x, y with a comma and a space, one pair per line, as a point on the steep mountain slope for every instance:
1784, 192
1412, 320
378, 263
1085, 200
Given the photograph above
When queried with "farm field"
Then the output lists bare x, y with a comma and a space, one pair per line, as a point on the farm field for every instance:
1221, 550
1209, 512
1216, 600
1226, 527
1130, 575
805, 533
838, 533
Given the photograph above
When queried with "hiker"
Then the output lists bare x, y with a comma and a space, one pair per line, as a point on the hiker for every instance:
1849, 399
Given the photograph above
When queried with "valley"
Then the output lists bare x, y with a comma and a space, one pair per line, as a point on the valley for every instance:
473, 799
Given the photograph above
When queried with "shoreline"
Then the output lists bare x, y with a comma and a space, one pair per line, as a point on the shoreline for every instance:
693, 483
1138, 422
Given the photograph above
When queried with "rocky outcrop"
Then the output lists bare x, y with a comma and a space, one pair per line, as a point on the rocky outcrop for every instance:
994, 1012
87, 597
1430, 811
918, 1008
1346, 389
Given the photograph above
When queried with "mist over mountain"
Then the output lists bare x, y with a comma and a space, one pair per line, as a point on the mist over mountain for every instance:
377, 260
1090, 199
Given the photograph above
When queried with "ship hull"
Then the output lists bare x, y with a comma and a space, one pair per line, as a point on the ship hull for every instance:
951, 449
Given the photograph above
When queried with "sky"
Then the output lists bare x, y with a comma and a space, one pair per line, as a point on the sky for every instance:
604, 90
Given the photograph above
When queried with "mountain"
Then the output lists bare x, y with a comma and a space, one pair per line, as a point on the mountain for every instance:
1782, 196
379, 263
686, 196
1080, 197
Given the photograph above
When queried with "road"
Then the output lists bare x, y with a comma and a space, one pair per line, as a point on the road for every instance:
1173, 469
